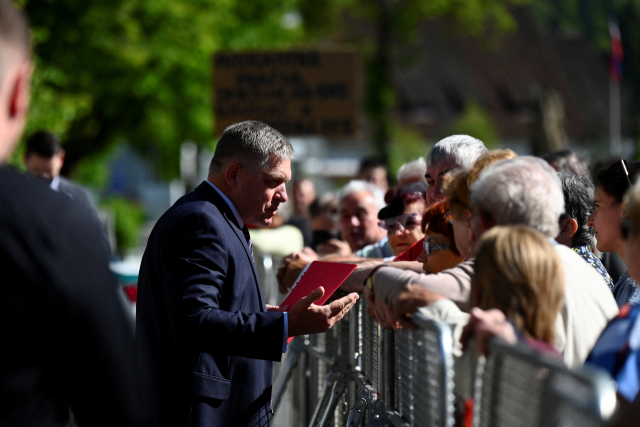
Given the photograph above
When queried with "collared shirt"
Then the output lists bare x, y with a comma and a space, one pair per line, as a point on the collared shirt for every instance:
594, 262
241, 224
55, 183
380, 249
230, 204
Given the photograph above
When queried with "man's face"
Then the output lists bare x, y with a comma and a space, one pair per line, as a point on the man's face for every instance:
43, 167
257, 195
434, 176
304, 193
605, 220
377, 176
359, 220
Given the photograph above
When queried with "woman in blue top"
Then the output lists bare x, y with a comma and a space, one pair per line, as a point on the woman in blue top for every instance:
606, 220
618, 348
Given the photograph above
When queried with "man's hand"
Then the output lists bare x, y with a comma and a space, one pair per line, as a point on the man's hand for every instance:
276, 308
484, 325
334, 247
307, 318
291, 267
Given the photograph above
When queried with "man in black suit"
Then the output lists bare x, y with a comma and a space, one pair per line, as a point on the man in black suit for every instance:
200, 306
66, 342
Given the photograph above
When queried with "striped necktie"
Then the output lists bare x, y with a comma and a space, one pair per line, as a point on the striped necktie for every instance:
247, 236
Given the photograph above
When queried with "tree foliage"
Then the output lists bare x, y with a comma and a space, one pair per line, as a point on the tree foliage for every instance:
139, 70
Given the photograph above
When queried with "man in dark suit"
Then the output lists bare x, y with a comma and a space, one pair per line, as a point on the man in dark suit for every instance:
200, 305
44, 158
66, 342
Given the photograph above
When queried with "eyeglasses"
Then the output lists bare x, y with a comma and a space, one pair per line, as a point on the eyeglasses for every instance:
401, 222
429, 247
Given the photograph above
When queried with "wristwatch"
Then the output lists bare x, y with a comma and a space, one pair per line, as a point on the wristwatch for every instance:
368, 282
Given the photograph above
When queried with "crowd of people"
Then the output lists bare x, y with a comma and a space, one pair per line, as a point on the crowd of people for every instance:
496, 244
525, 249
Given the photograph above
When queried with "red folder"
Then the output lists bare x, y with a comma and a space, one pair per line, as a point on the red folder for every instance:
329, 275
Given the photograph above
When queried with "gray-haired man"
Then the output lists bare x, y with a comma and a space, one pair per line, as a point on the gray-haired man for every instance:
212, 337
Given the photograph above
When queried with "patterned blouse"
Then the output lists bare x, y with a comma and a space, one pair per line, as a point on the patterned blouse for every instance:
594, 262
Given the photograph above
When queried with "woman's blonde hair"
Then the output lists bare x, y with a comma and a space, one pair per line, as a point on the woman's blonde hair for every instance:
518, 271
455, 186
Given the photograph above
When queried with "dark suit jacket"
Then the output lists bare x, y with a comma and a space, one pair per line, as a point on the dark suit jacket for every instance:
65, 338
82, 197
201, 308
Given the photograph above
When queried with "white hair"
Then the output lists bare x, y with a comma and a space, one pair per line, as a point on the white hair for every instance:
524, 190
358, 186
463, 150
412, 170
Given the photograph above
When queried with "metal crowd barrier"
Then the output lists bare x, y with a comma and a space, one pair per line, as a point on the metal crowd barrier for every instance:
359, 375
516, 386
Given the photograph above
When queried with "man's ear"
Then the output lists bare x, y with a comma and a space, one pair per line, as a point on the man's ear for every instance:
231, 174
19, 96
568, 228
61, 154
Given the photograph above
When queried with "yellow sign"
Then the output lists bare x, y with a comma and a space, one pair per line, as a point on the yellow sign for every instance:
296, 92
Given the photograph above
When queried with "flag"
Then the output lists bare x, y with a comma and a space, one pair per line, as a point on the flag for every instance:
615, 61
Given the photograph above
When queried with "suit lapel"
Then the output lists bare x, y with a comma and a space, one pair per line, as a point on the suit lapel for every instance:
212, 196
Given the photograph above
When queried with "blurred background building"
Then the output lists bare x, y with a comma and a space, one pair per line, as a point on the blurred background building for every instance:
128, 86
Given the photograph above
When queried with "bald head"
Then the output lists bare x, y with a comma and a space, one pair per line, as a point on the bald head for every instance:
15, 75
14, 36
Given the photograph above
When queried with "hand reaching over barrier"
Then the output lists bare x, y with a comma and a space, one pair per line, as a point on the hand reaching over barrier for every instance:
487, 324
334, 247
291, 267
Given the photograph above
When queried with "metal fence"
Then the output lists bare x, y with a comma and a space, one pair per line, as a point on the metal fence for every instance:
357, 374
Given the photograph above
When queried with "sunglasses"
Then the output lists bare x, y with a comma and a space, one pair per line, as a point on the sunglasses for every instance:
401, 222
430, 247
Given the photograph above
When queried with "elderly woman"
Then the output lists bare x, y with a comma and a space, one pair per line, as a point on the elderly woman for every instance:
611, 184
517, 273
439, 247
403, 216
405, 290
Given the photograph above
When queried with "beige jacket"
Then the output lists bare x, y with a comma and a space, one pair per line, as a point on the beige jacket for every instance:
587, 309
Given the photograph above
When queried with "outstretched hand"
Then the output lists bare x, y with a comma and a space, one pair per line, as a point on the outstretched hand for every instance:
307, 318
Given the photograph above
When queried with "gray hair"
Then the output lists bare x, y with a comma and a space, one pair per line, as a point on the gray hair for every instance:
463, 150
414, 169
252, 143
524, 190
358, 186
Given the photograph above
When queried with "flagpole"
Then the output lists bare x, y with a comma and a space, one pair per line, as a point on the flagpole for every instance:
615, 78
615, 143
